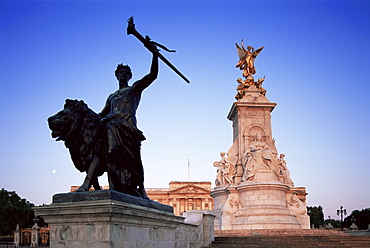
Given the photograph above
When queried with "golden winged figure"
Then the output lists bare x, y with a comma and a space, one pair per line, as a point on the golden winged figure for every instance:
246, 58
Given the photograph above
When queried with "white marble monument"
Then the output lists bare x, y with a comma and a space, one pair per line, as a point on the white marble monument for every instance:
253, 185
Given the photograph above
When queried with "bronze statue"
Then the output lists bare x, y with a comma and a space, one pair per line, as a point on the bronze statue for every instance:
246, 59
246, 63
81, 130
123, 138
110, 141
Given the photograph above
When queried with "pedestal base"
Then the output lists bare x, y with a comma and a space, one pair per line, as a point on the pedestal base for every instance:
100, 220
256, 205
264, 206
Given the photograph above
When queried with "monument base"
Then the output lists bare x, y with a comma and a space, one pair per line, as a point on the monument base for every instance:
264, 203
105, 219
264, 206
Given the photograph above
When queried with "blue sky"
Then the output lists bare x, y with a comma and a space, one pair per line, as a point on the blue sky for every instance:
315, 60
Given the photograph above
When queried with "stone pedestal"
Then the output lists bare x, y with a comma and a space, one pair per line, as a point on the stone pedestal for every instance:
263, 206
17, 237
107, 219
35, 235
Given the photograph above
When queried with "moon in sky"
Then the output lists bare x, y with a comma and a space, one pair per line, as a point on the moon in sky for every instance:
54, 171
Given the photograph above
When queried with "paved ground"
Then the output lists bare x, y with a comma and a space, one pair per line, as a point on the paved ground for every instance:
353, 233
358, 233
12, 246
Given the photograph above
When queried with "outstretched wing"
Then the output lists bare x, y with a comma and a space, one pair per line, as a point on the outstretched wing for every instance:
241, 52
255, 54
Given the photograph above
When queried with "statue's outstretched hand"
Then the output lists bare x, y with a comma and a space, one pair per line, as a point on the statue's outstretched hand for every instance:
131, 25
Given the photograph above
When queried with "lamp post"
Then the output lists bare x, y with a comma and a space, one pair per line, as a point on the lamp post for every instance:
340, 212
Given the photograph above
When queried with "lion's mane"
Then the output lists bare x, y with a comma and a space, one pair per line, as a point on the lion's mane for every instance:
80, 129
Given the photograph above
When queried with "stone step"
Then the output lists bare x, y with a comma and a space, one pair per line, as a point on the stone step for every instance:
287, 238
275, 232
243, 242
296, 239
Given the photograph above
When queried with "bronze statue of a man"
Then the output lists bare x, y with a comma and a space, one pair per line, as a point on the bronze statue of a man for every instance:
110, 141
122, 137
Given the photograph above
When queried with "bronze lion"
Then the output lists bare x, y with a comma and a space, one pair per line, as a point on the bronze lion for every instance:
81, 130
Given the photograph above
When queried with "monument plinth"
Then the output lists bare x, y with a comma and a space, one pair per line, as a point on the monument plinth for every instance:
253, 185
107, 219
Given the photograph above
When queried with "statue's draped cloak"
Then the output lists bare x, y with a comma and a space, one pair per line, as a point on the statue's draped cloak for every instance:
123, 154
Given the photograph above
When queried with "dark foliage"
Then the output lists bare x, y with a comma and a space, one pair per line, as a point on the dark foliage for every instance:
316, 215
13, 211
334, 223
362, 218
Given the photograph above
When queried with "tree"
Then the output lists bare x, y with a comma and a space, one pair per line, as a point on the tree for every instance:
333, 222
316, 215
362, 218
13, 211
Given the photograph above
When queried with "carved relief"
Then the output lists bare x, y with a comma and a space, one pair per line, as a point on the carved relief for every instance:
258, 156
296, 206
226, 171
254, 130
284, 173
191, 189
231, 205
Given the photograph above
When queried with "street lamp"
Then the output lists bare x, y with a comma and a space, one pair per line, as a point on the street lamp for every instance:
340, 212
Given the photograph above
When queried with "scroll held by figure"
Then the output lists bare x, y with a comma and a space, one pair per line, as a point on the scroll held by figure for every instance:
109, 141
246, 64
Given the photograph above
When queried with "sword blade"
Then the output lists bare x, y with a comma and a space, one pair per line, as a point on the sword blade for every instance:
172, 67
131, 30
